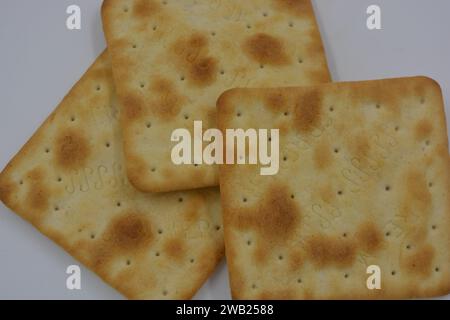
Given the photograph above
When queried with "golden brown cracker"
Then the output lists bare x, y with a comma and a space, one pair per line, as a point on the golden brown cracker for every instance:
172, 59
69, 182
363, 180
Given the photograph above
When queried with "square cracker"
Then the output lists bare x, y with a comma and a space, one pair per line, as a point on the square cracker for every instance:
68, 182
172, 59
363, 180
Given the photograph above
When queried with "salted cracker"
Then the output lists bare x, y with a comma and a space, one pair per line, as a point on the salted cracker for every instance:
68, 181
172, 59
363, 181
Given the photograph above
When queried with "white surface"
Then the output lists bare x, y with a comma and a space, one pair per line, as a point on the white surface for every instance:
40, 60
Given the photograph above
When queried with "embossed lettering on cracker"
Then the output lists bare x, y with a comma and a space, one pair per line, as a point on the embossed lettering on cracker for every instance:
172, 59
364, 180
69, 182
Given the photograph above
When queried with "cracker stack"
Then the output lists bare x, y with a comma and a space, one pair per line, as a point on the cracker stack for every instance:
363, 176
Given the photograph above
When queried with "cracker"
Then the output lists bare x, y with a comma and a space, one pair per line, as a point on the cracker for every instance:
172, 59
68, 181
364, 180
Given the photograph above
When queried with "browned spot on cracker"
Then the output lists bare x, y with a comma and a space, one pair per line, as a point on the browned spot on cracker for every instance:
194, 60
326, 251
145, 8
275, 219
423, 129
166, 102
100, 257
72, 149
361, 146
322, 156
175, 249
266, 49
134, 106
161, 85
420, 262
278, 216
307, 113
203, 71
37, 197
295, 260
275, 101
369, 237
190, 49
130, 231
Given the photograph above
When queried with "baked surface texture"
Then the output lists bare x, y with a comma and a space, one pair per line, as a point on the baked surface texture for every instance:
172, 59
363, 180
69, 182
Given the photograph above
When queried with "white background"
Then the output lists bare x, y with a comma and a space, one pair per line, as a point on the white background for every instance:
40, 60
